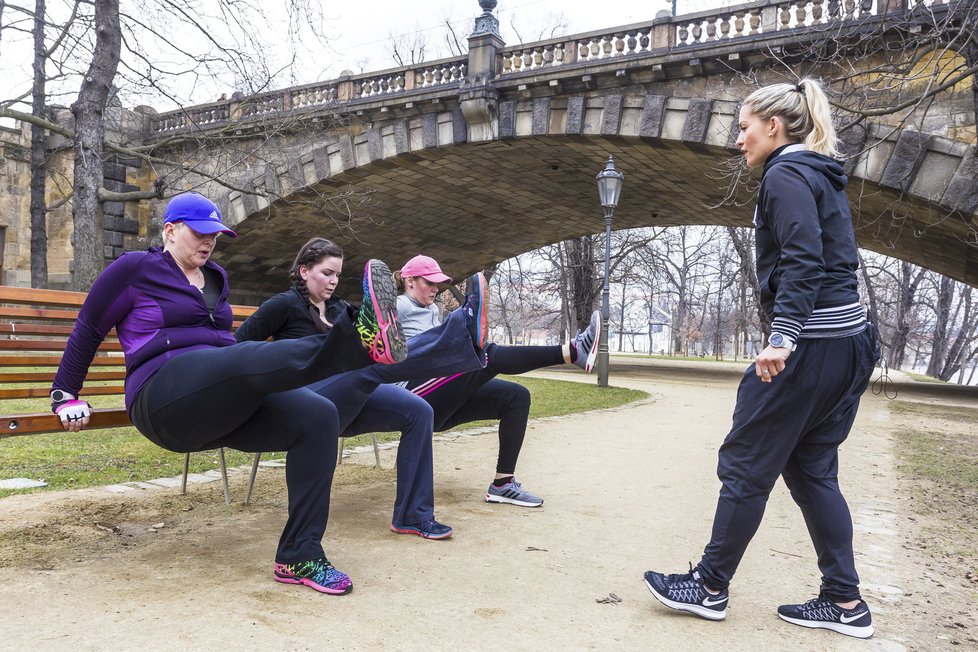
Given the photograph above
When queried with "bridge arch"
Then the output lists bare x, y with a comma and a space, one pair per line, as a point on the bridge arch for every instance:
471, 203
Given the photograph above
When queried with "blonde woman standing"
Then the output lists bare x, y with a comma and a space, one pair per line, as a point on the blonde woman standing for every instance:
797, 402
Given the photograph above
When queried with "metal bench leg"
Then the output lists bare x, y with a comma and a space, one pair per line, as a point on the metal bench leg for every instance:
251, 479
186, 471
373, 436
224, 478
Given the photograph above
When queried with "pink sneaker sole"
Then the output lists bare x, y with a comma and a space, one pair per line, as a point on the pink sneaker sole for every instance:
389, 346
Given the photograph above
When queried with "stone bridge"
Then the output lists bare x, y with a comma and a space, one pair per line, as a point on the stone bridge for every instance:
476, 159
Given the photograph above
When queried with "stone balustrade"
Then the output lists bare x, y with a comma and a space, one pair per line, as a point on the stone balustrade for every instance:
652, 38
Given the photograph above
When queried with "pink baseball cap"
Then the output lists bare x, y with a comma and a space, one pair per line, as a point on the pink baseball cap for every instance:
425, 267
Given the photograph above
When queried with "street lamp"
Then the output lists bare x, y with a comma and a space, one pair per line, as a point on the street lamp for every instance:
610, 182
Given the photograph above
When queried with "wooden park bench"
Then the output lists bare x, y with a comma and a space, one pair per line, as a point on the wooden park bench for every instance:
34, 327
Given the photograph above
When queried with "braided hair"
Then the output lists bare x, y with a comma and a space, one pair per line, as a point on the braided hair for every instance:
310, 255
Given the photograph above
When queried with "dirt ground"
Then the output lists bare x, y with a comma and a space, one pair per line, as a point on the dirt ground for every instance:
626, 490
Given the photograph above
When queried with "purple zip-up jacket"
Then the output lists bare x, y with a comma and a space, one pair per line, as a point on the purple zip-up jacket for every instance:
157, 315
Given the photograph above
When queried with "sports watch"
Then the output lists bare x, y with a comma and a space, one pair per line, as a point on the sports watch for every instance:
58, 396
779, 341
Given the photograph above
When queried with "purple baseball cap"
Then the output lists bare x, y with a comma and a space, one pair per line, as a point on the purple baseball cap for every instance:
197, 212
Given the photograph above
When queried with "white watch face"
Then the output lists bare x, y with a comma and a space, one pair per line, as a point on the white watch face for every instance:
777, 340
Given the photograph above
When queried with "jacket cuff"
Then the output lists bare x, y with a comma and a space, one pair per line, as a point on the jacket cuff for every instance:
787, 327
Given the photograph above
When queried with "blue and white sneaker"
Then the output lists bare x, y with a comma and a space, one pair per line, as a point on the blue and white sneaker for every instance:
513, 493
586, 343
822, 613
430, 529
686, 592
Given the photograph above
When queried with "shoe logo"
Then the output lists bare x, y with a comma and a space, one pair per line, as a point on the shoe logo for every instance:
845, 620
712, 602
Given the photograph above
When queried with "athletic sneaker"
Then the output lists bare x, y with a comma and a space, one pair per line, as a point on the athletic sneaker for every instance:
586, 343
825, 614
477, 308
318, 575
377, 323
686, 592
513, 493
430, 529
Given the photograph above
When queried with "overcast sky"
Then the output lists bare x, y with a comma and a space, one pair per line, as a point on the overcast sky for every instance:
359, 36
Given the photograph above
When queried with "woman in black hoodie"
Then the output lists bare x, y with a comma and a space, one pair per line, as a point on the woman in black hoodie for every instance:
797, 402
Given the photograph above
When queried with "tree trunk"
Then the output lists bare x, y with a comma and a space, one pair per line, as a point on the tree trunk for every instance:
939, 345
907, 293
89, 112
39, 233
580, 260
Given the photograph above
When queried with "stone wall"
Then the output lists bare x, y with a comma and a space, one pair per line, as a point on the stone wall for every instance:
15, 204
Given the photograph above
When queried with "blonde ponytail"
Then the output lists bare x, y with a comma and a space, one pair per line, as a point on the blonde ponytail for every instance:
803, 108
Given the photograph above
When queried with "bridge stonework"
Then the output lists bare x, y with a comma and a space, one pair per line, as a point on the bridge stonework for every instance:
473, 160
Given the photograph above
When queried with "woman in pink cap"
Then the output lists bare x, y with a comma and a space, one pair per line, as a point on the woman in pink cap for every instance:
479, 395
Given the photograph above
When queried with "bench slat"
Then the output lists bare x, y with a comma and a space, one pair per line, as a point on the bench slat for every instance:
49, 345
40, 422
55, 360
48, 376
44, 392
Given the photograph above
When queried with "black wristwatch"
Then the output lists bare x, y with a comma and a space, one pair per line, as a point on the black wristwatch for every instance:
779, 341
58, 396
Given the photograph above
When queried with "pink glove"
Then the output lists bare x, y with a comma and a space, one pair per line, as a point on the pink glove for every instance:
73, 410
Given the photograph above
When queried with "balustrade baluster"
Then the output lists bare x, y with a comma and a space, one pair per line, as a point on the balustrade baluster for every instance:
558, 54
755, 22
697, 33
619, 44
683, 34
817, 11
785, 16
725, 28
850, 8
711, 30
867, 6
738, 24
801, 13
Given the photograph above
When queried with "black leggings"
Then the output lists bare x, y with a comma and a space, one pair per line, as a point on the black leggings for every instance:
251, 396
479, 395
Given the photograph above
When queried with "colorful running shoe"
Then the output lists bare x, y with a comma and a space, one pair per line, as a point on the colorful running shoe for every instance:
430, 529
687, 592
513, 493
318, 575
586, 343
477, 308
377, 322
823, 613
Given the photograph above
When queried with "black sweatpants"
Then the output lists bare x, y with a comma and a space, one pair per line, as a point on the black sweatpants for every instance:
251, 396
792, 427
479, 395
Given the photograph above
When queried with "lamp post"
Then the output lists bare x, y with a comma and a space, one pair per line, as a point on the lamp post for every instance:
610, 182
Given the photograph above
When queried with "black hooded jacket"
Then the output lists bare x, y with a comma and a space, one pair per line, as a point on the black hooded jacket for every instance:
805, 245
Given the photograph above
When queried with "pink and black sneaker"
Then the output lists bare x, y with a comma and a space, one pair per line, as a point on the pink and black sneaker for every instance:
318, 575
377, 323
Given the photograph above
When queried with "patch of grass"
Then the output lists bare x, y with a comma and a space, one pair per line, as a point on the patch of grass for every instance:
937, 461
922, 378
683, 358
100, 457
550, 398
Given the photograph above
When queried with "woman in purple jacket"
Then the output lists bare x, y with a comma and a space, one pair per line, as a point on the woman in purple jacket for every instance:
191, 387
